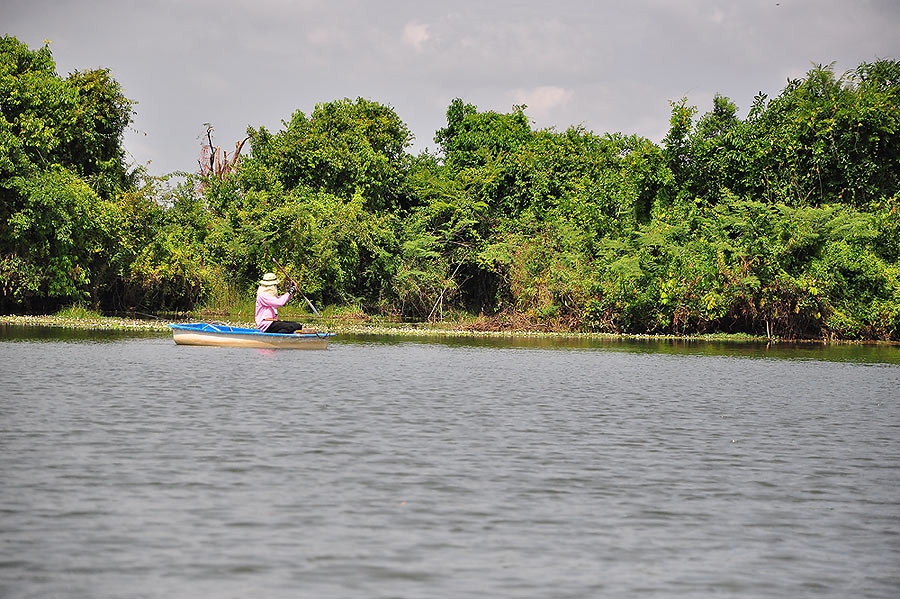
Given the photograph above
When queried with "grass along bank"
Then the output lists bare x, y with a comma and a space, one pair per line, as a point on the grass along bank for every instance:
352, 320
340, 321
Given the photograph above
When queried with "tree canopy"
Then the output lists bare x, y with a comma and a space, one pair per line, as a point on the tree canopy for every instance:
61, 168
785, 222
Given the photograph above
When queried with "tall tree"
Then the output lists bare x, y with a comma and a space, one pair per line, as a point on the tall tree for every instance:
61, 164
343, 148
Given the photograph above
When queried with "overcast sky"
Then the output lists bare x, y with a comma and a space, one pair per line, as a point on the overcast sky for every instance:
608, 66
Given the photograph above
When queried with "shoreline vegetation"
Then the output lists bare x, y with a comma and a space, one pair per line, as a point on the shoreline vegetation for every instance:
783, 224
367, 326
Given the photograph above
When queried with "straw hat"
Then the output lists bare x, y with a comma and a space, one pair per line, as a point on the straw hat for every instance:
269, 279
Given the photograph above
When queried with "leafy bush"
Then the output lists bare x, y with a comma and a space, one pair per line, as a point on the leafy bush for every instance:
785, 223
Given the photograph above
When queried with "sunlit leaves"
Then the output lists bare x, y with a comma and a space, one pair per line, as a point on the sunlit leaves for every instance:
342, 148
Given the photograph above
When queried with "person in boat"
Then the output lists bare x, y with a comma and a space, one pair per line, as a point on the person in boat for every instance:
267, 303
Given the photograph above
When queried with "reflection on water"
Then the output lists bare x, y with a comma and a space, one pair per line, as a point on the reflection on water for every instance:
12, 333
888, 353
836, 352
468, 467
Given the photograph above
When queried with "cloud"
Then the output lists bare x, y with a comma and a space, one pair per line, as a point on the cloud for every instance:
542, 100
717, 16
327, 36
416, 34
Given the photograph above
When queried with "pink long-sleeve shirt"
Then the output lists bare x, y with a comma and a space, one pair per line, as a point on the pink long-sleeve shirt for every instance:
267, 308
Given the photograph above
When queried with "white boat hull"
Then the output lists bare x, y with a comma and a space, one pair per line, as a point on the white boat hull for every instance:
226, 336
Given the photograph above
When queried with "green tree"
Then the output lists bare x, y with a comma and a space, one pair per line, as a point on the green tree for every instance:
60, 235
343, 148
61, 164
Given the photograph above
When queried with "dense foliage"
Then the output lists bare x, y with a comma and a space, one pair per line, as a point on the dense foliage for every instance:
61, 170
783, 223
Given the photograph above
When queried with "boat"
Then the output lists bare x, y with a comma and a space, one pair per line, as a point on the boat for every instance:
223, 335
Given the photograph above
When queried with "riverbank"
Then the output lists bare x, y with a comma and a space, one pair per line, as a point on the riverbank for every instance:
357, 328
340, 326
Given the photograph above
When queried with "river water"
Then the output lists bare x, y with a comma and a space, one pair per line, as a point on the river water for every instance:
406, 468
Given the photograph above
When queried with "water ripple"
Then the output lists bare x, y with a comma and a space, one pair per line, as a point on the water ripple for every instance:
134, 468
